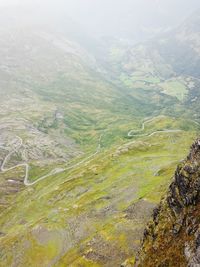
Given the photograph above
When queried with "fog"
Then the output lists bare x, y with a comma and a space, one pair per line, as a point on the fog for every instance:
128, 19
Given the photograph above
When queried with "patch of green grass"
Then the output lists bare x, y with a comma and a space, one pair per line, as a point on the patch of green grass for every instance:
174, 88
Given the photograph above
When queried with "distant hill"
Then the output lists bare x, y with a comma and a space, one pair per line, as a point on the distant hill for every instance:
180, 47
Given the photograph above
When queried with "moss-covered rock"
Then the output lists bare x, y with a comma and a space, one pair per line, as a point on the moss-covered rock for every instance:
172, 238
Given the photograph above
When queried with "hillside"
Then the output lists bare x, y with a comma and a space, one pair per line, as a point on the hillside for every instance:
167, 64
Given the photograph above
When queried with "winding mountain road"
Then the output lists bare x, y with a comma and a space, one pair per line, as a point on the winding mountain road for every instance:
26, 166
132, 133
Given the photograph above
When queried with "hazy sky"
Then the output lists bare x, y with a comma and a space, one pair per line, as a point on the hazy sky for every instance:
120, 18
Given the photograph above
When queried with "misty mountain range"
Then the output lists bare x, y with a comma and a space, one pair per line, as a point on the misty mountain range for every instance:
99, 102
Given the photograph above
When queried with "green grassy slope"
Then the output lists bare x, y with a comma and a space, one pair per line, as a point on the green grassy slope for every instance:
74, 217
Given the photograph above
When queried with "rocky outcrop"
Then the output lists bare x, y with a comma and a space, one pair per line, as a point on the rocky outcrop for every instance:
172, 238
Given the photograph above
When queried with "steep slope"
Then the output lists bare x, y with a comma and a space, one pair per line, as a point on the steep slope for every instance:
172, 238
51, 89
